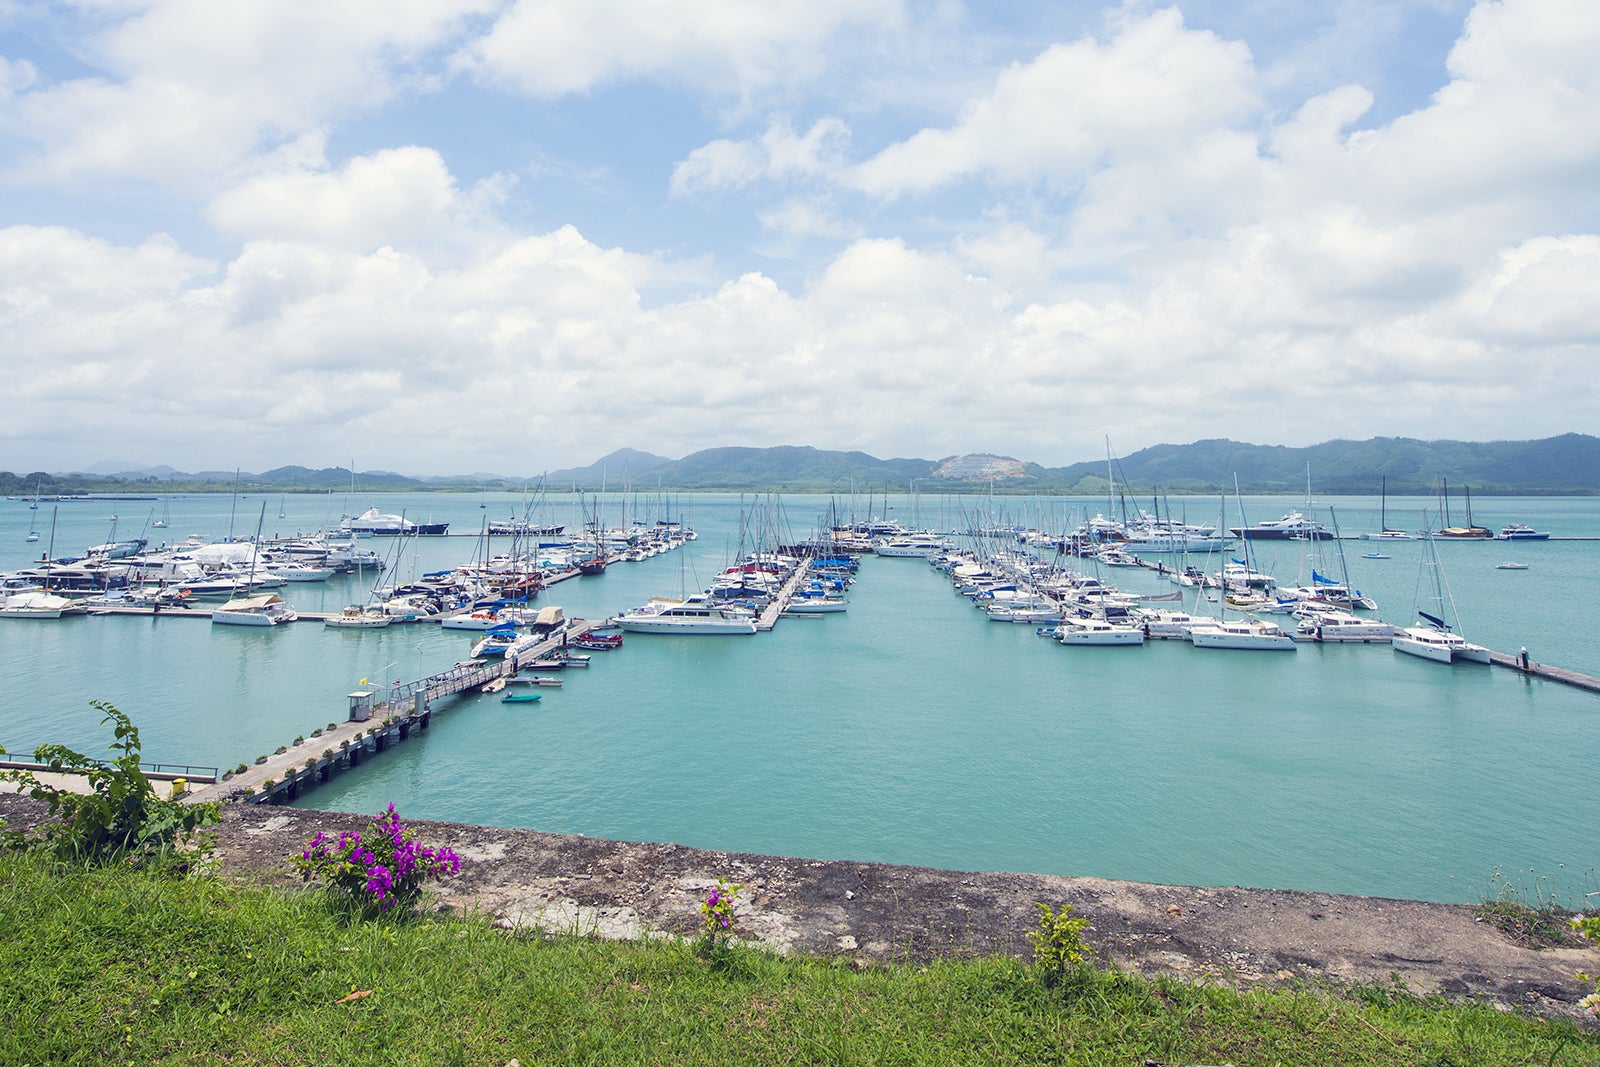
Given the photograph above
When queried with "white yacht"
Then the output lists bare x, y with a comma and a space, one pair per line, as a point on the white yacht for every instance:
357, 617
1250, 634
268, 609
1169, 625
1438, 644
1341, 626
1097, 632
38, 605
698, 614
911, 546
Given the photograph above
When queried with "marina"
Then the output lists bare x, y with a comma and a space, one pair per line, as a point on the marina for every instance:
911, 704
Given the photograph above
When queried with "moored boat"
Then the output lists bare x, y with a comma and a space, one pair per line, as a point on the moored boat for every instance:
520, 691
268, 609
38, 605
1098, 632
1247, 634
697, 614
357, 617
1521, 531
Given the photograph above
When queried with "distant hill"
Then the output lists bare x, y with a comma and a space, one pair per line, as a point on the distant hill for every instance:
1556, 465
786, 467
1565, 465
616, 470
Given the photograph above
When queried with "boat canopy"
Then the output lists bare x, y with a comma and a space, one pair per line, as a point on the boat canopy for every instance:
252, 603
549, 617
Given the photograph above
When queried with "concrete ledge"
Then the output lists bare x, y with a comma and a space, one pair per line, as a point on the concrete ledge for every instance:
875, 912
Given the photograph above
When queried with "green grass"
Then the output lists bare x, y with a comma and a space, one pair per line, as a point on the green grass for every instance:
117, 966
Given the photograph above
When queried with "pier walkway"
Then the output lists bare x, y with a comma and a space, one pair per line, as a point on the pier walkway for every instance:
377, 719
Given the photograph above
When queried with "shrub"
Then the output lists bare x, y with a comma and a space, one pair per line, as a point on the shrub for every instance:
1058, 944
122, 818
378, 869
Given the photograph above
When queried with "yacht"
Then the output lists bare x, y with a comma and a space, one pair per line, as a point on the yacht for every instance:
373, 523
1097, 632
1341, 626
1169, 625
698, 614
38, 605
911, 546
1252, 634
1292, 527
357, 617
1438, 644
1521, 531
268, 609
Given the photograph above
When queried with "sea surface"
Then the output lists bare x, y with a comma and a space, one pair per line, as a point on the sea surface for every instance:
910, 729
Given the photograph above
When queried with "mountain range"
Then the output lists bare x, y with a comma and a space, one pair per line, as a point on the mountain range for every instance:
1564, 465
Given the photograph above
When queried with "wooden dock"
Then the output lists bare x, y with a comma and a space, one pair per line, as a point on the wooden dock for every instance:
376, 720
772, 612
1533, 669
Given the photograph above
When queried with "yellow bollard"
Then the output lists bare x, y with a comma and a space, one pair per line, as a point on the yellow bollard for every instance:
180, 786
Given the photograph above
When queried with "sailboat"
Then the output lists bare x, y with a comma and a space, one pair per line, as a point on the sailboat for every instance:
1468, 532
1435, 640
266, 609
1384, 533
164, 520
1249, 634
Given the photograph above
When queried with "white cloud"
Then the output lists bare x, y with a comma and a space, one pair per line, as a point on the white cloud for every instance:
15, 75
550, 48
1148, 91
189, 89
394, 197
777, 155
1156, 257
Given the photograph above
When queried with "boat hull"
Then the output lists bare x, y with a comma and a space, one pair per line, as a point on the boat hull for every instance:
1102, 638
696, 626
1214, 637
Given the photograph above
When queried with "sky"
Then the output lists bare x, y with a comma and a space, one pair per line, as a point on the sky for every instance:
510, 236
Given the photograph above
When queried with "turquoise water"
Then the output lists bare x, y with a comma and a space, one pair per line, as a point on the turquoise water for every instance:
911, 729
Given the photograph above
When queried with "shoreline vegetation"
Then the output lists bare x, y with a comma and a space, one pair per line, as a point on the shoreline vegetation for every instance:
119, 963
145, 930
1568, 465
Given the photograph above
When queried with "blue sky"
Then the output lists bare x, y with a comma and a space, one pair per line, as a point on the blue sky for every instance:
511, 235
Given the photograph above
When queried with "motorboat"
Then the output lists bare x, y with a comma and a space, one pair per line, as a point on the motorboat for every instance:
1292, 527
478, 619
495, 643
1521, 531
1510, 566
911, 546
374, 523
267, 609
597, 642
697, 614
520, 691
